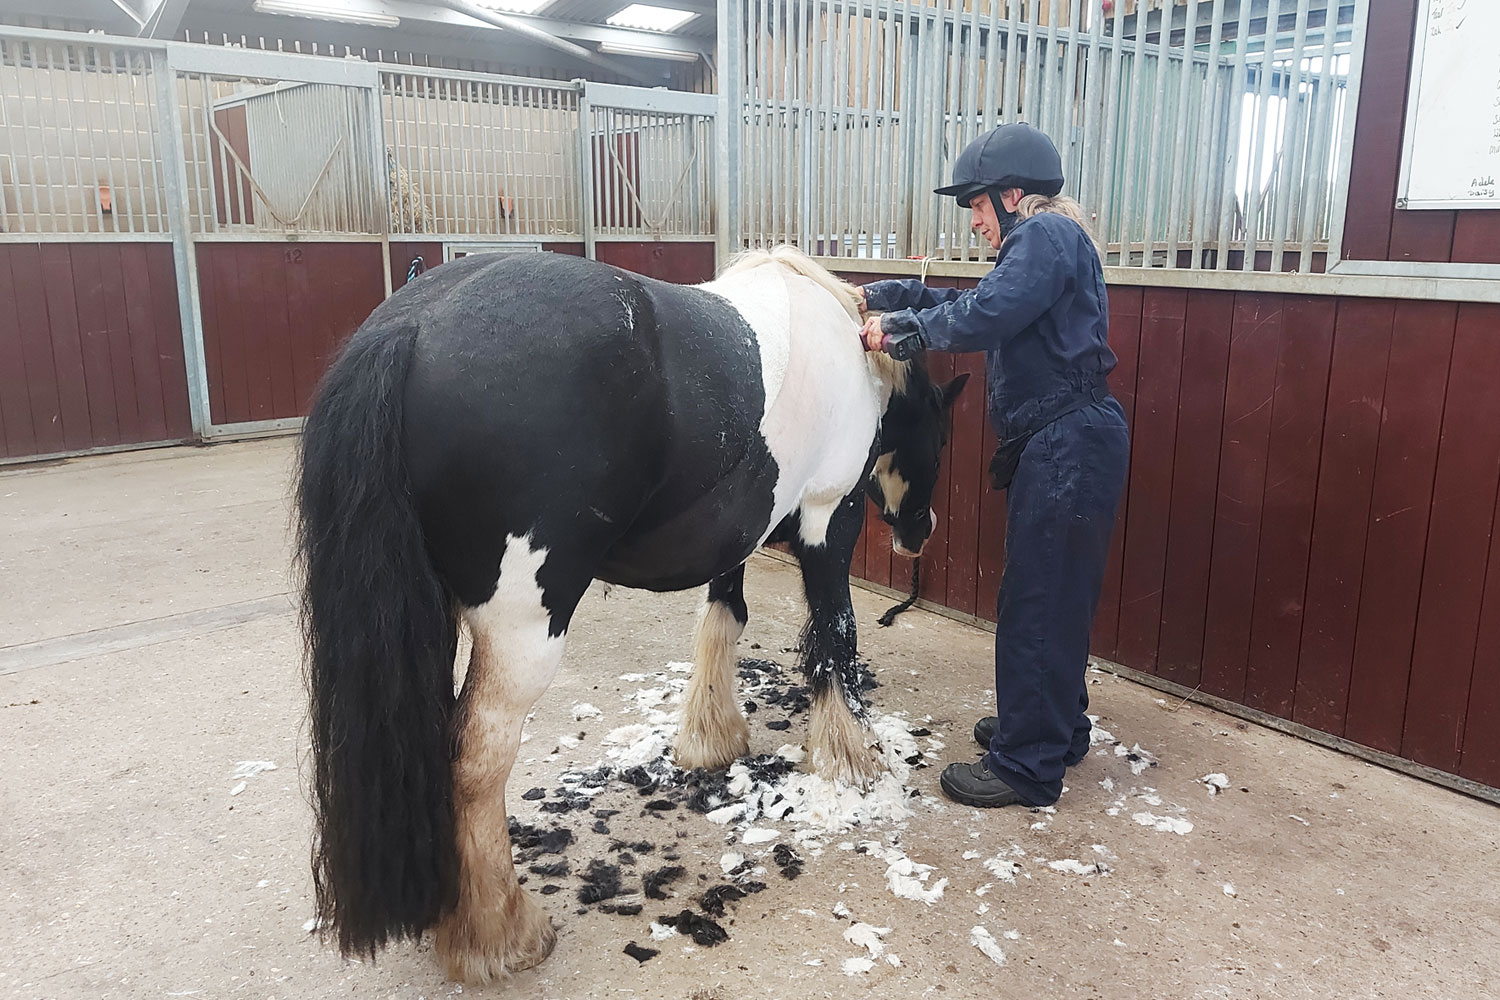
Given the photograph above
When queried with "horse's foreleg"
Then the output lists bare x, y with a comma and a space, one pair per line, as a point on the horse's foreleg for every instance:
496, 927
714, 732
830, 647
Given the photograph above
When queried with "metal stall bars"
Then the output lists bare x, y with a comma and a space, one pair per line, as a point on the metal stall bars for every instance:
650, 173
484, 162
91, 358
267, 148
1203, 130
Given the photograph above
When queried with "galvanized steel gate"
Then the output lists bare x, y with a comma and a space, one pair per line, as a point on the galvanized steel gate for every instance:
279, 181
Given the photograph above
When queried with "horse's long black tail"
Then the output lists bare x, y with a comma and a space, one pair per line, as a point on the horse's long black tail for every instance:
381, 633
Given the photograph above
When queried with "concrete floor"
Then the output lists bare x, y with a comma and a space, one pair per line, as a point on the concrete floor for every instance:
147, 647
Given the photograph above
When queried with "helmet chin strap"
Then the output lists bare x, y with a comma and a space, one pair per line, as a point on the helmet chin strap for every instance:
1008, 220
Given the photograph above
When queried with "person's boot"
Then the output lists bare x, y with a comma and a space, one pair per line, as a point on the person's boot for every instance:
974, 785
984, 730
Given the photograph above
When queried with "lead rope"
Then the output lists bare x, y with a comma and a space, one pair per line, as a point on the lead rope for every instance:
889, 617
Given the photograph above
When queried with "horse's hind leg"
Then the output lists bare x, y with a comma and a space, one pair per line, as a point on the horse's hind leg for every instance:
829, 645
714, 733
496, 927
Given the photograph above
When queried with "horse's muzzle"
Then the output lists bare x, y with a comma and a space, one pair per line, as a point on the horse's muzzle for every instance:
902, 550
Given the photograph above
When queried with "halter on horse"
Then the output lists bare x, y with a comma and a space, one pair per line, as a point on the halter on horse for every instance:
497, 436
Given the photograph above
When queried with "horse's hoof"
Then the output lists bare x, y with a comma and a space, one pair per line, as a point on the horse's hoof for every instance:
858, 768
483, 949
712, 747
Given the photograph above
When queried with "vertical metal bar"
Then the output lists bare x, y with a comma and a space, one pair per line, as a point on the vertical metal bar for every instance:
968, 113
1011, 92
1047, 60
507, 169
1315, 180
1132, 167
548, 119
1092, 97
924, 110
746, 119
211, 140
834, 244
444, 114
889, 162
137, 220
778, 203
586, 166
100, 77
903, 183
1208, 118
993, 64
199, 159
426, 141
1257, 155
77, 158
1069, 138
184, 257
876, 147
810, 127
857, 197
1107, 169
1175, 193
794, 129
1340, 193
1237, 95
458, 143
31, 158
1031, 94
1158, 124
1293, 121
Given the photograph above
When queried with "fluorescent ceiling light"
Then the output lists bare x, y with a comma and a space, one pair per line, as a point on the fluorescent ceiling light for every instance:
646, 51
514, 6
328, 11
649, 17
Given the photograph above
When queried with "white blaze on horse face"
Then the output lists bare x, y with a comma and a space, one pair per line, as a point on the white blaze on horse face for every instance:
892, 486
822, 403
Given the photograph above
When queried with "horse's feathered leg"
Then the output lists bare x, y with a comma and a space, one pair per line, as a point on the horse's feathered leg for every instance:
714, 732
496, 927
830, 652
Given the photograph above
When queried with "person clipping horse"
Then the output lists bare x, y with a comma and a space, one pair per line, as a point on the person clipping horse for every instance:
1041, 317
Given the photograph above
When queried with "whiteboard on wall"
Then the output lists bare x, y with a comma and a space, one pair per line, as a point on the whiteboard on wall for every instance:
1450, 156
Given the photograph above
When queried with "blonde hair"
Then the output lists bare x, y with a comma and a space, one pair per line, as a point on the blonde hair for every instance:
797, 262
1036, 204
891, 371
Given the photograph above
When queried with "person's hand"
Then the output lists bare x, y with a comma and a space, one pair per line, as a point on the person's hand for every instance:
871, 334
864, 306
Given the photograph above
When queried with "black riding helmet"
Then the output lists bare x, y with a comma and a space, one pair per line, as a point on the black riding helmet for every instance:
1011, 156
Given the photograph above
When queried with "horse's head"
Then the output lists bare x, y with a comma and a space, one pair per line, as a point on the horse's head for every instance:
909, 454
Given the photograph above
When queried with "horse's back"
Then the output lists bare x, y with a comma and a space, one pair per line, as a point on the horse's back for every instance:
603, 413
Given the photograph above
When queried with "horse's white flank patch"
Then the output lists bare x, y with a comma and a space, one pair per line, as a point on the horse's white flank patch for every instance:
514, 624
823, 405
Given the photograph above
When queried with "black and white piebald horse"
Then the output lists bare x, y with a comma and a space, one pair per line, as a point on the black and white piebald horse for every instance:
506, 430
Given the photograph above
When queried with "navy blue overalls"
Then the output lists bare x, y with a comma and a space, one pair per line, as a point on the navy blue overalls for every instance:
1041, 317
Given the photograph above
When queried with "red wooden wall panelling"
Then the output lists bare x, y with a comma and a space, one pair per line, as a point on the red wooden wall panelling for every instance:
1254, 344
1421, 345
1463, 511
1125, 305
1195, 481
90, 348
1336, 565
1157, 386
273, 314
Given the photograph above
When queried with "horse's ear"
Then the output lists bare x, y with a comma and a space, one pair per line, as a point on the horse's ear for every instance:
952, 389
